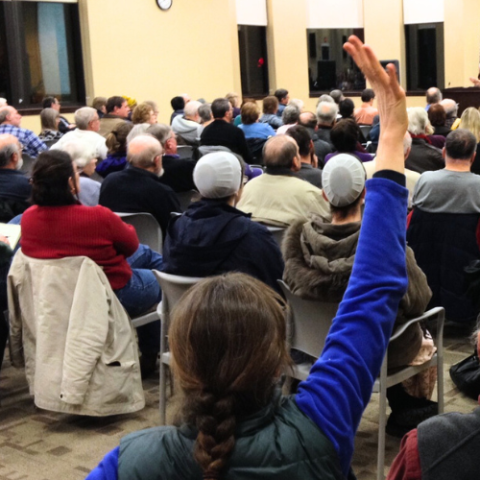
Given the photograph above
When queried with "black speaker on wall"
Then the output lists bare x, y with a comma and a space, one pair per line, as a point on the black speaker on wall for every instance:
312, 45
326, 76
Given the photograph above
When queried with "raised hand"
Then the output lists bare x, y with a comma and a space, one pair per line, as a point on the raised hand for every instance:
475, 81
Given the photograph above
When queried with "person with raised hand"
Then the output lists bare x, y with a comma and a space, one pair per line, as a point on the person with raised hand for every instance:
229, 349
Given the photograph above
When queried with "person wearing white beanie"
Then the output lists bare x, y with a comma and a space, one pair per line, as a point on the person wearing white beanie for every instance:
213, 237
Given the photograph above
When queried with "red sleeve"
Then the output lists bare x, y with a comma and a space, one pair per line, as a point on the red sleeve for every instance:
409, 217
124, 236
406, 465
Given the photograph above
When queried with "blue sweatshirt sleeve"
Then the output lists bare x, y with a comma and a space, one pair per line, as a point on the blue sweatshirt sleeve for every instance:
340, 383
107, 469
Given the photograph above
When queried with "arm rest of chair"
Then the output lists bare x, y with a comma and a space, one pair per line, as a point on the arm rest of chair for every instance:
436, 312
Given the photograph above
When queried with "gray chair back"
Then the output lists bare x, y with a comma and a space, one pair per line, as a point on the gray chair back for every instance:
147, 227
185, 151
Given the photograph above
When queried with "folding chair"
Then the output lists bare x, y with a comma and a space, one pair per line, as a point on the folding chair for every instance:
173, 287
148, 230
277, 233
185, 198
185, 151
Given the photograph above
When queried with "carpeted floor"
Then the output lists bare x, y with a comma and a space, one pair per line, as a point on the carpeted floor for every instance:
40, 445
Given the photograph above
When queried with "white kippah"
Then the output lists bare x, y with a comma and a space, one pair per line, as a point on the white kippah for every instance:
218, 175
343, 179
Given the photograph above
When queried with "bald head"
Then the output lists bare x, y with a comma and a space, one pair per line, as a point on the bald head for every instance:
10, 116
308, 120
191, 110
281, 151
450, 106
434, 95
145, 152
10, 151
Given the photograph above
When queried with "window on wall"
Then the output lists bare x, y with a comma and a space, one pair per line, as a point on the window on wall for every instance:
425, 56
329, 66
252, 41
40, 53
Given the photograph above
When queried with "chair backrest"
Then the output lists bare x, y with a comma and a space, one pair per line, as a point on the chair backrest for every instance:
365, 129
277, 233
311, 322
185, 151
28, 163
148, 230
173, 287
185, 198
204, 149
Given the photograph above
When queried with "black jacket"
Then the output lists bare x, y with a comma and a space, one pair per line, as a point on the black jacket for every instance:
222, 133
178, 173
136, 190
212, 238
424, 157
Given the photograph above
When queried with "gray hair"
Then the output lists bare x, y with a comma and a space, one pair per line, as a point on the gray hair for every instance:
191, 108
407, 143
48, 118
290, 115
450, 106
82, 153
205, 112
434, 95
327, 112
8, 150
417, 120
137, 130
142, 151
325, 98
296, 102
161, 132
83, 116
4, 113
337, 96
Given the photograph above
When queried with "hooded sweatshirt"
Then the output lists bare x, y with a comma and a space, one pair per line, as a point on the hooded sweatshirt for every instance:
187, 129
212, 238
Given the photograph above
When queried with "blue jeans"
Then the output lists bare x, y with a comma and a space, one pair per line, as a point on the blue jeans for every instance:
141, 293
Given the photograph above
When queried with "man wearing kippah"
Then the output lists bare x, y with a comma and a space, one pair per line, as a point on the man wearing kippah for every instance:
319, 258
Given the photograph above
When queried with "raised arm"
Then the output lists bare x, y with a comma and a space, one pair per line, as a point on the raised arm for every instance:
340, 383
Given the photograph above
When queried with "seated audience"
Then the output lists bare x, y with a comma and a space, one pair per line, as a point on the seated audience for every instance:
321, 147
234, 100
178, 172
346, 109
144, 113
49, 119
337, 96
438, 117
206, 117
470, 121
237, 121
309, 162
138, 187
187, 126
434, 97
423, 155
277, 197
10, 121
290, 117
345, 139
222, 132
283, 99
57, 226
116, 143
213, 237
178, 104
270, 109
88, 126
365, 114
100, 105
451, 110
234, 418
15, 188
83, 155
250, 125
118, 111
326, 117
64, 125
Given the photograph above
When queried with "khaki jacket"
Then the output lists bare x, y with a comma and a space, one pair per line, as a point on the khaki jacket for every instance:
73, 336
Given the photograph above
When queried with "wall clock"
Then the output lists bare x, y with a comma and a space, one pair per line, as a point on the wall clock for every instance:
164, 4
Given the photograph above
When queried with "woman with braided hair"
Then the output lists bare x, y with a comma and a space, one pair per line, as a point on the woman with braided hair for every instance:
229, 350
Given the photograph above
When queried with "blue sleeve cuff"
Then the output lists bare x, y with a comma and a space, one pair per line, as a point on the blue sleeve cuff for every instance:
107, 469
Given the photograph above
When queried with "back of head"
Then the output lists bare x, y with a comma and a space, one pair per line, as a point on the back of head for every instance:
346, 108
228, 344
437, 115
302, 138
281, 94
279, 152
205, 112
367, 95
471, 121
116, 140
141, 113
50, 175
417, 120
83, 116
450, 106
460, 145
337, 96
191, 108
137, 130
434, 95
218, 175
5, 112
47, 102
82, 153
327, 113
48, 118
307, 120
160, 131
344, 136
233, 98
114, 102
325, 98
8, 146
220, 107
177, 103
290, 115
270, 105
142, 151
99, 102
249, 113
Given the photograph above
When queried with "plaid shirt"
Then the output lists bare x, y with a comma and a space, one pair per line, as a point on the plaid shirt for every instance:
32, 145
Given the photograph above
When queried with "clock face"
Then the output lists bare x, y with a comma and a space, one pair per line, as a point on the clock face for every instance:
164, 4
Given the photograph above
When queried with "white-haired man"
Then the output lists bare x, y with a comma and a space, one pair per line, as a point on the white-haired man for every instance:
327, 116
451, 109
88, 125
187, 125
434, 96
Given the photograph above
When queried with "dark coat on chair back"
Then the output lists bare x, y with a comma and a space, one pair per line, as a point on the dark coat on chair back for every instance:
444, 244
424, 157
